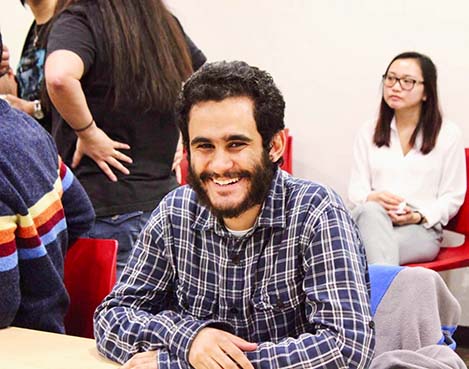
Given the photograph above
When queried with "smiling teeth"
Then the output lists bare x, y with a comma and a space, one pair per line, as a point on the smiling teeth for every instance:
225, 182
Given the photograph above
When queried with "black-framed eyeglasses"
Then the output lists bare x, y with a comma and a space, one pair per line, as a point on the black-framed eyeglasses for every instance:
406, 83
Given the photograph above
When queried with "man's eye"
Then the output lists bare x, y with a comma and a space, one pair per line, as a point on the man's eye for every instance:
236, 144
205, 146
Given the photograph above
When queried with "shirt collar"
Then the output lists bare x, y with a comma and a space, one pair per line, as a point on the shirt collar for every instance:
418, 139
272, 214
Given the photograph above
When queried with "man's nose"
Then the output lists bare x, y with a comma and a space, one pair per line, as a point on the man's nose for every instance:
221, 162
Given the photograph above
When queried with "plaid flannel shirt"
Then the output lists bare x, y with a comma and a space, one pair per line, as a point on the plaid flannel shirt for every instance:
297, 283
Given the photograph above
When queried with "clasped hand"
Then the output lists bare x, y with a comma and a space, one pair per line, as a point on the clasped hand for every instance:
214, 349
390, 203
211, 349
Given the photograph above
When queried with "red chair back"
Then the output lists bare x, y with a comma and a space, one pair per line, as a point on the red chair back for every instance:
89, 276
288, 154
454, 257
460, 223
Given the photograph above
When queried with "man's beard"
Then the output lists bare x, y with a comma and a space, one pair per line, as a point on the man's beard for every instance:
260, 181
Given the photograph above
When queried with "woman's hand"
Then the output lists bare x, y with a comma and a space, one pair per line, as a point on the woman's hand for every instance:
409, 217
96, 144
386, 199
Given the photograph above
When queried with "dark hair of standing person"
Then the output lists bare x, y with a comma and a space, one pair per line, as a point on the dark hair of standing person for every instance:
149, 56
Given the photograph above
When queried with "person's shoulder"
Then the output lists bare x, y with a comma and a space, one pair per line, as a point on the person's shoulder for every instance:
303, 191
80, 10
449, 127
182, 199
449, 133
81, 7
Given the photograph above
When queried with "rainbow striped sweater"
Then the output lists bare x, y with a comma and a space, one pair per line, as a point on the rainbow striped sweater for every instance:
43, 208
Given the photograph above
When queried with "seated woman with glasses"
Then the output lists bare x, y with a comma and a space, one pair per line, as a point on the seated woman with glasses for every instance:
408, 175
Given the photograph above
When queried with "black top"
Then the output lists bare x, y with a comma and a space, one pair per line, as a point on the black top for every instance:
151, 135
30, 72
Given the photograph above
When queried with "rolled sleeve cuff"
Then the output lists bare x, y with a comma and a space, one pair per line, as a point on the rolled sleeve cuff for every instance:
432, 215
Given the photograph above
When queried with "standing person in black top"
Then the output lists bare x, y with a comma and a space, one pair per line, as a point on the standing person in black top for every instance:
30, 72
113, 72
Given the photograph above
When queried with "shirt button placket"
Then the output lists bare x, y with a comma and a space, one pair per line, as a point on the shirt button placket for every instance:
235, 259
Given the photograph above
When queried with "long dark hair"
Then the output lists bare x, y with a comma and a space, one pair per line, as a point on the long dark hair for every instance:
430, 116
149, 56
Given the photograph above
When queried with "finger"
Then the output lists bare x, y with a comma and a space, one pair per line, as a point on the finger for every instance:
390, 201
242, 344
117, 165
392, 215
122, 157
107, 171
77, 155
237, 356
210, 363
120, 145
395, 198
388, 207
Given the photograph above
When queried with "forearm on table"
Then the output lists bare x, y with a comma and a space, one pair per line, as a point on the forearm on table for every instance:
122, 332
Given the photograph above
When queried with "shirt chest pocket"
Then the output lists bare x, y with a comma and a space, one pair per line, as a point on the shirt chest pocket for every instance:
278, 294
202, 305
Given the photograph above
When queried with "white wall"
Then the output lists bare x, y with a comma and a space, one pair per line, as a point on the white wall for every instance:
14, 24
327, 57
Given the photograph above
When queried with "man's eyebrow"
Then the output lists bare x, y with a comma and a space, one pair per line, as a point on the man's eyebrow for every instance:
238, 137
199, 140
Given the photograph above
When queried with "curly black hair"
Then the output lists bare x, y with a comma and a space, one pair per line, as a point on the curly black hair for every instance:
220, 80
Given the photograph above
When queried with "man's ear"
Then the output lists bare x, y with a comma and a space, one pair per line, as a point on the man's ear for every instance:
277, 146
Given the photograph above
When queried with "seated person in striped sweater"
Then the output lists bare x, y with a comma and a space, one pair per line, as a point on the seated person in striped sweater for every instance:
43, 209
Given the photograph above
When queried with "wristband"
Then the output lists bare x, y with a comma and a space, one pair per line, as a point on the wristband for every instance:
85, 127
422, 218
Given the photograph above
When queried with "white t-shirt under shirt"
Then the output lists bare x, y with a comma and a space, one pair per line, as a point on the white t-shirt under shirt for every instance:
434, 184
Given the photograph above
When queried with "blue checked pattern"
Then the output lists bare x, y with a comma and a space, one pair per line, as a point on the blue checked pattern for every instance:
296, 284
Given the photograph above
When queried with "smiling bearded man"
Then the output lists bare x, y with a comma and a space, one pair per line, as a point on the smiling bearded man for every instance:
247, 267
